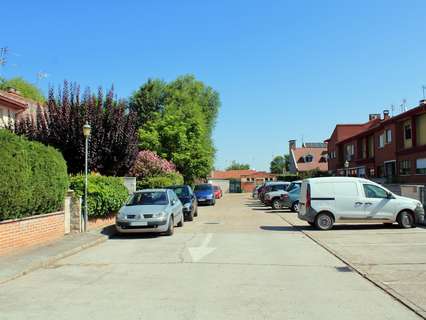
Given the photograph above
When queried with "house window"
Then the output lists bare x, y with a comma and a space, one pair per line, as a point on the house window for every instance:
309, 158
382, 140
388, 135
421, 166
371, 172
404, 167
407, 132
350, 151
408, 143
421, 130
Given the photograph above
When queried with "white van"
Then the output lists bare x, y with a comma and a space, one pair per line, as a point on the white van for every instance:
324, 201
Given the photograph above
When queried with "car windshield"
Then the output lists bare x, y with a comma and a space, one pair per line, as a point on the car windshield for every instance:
181, 191
148, 198
203, 187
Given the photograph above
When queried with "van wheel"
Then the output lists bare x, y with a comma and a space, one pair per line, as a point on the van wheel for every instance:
276, 204
324, 221
406, 220
295, 206
171, 228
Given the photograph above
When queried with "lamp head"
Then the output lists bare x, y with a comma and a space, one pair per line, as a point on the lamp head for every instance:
86, 130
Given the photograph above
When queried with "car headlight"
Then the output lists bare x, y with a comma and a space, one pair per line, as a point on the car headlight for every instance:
210, 196
419, 205
159, 214
187, 205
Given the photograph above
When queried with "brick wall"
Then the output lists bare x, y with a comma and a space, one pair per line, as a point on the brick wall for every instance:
30, 231
95, 223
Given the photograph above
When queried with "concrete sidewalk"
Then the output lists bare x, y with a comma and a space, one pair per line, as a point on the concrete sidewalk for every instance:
18, 264
393, 259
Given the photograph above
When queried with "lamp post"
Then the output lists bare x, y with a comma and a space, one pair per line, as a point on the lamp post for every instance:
346, 167
86, 133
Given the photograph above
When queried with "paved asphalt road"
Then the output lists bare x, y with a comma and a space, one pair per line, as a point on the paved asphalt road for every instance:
235, 261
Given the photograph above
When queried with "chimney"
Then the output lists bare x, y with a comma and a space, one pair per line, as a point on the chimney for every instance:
372, 116
422, 102
386, 114
291, 145
14, 91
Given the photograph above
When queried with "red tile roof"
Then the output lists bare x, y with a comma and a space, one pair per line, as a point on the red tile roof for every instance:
319, 159
231, 174
13, 100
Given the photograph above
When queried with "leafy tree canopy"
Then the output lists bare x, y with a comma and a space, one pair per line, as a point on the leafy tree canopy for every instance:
277, 165
177, 123
113, 140
238, 166
26, 89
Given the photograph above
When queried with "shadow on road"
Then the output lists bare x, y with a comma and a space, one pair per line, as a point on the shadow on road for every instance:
335, 228
285, 228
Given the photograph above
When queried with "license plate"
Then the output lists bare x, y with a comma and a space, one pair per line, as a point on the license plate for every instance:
138, 223
201, 199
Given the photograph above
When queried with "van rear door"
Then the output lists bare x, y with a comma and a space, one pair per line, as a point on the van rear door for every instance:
302, 200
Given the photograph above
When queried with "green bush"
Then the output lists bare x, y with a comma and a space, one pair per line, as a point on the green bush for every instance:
33, 177
161, 181
105, 195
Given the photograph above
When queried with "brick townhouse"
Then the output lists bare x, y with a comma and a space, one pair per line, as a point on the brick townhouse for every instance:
13, 107
393, 148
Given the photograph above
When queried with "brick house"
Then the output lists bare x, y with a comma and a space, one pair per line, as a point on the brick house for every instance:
311, 156
240, 180
13, 107
392, 148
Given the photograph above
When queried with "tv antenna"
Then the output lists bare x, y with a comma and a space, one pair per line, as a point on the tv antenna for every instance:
41, 75
424, 89
403, 105
392, 107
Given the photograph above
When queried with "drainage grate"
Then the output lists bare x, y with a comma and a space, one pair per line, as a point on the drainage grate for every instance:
344, 269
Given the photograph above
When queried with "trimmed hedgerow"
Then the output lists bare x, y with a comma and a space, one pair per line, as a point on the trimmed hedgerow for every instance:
164, 180
105, 195
33, 177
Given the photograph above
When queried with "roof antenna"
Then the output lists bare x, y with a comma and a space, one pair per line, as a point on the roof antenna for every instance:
392, 109
402, 105
424, 88
3, 54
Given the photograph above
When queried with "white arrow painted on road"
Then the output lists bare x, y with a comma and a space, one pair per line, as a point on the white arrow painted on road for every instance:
198, 253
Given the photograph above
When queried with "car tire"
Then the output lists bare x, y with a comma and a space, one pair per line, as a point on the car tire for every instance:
213, 202
324, 221
181, 222
295, 206
406, 220
196, 212
191, 216
276, 204
171, 228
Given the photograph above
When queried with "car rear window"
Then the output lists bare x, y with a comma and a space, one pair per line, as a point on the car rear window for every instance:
203, 187
181, 191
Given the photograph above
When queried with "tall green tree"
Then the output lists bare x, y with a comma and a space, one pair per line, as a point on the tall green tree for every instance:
27, 89
149, 100
278, 165
237, 166
179, 128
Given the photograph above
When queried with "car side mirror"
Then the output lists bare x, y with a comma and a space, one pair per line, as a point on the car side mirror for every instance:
389, 195
173, 202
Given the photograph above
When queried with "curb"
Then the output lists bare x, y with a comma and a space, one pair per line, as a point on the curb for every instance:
379, 284
51, 260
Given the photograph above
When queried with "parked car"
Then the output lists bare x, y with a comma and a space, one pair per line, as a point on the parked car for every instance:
188, 199
324, 201
291, 198
151, 210
273, 193
217, 192
205, 194
266, 187
255, 192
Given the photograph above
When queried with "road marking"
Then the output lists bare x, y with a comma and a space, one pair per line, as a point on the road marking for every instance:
198, 253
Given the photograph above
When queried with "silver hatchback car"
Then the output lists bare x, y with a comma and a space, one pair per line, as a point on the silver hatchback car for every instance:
151, 210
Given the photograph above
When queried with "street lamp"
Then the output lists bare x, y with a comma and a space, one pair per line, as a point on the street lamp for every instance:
86, 133
347, 166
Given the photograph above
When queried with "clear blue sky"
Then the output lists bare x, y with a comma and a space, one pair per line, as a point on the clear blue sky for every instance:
284, 69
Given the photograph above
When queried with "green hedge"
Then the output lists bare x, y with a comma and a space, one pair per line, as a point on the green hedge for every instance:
33, 177
105, 195
161, 181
